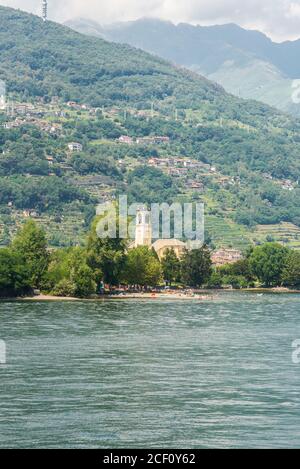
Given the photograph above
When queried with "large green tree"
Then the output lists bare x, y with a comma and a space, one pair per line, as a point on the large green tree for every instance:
291, 272
196, 266
14, 278
69, 274
170, 266
238, 275
267, 263
142, 267
81, 274
31, 244
106, 256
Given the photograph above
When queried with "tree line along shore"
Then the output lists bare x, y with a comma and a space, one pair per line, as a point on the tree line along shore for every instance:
104, 265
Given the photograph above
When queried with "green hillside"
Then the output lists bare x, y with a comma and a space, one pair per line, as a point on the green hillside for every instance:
246, 63
240, 157
46, 59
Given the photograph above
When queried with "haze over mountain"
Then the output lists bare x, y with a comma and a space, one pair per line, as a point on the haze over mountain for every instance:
245, 63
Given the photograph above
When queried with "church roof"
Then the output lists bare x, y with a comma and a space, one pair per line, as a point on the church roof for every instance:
168, 243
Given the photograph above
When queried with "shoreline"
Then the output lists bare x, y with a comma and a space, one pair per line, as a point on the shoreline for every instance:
129, 296
200, 295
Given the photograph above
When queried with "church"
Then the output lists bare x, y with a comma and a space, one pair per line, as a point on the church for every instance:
143, 236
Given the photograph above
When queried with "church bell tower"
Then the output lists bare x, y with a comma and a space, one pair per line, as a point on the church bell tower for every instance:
143, 228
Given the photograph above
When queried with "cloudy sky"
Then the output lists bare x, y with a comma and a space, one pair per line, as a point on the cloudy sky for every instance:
280, 19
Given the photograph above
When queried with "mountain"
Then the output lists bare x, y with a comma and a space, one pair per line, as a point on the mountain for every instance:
46, 59
239, 157
41, 59
245, 63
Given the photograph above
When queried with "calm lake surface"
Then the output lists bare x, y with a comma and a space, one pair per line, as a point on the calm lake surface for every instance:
151, 373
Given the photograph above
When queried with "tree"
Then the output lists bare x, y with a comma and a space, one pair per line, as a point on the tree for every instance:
267, 263
64, 288
81, 275
14, 278
291, 271
153, 274
196, 266
69, 274
105, 256
58, 269
235, 281
240, 268
215, 280
170, 266
142, 267
31, 244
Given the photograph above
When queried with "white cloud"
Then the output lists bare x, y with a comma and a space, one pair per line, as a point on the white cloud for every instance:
278, 18
294, 10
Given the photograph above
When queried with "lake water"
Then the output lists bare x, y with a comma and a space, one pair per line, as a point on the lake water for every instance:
151, 373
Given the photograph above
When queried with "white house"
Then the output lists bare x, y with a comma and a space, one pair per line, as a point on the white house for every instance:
74, 147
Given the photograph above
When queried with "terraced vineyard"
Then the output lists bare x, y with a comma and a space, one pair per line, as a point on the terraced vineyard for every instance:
225, 233
69, 230
286, 233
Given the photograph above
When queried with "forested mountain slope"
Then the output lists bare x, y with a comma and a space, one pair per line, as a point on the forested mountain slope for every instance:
46, 59
240, 157
246, 63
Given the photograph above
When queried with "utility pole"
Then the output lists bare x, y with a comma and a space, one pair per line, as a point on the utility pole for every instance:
44, 10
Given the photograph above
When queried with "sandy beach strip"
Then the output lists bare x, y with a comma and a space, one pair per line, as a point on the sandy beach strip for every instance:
127, 296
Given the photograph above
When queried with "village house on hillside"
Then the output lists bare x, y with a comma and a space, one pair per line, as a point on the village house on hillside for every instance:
50, 160
287, 185
152, 140
143, 140
179, 163
75, 146
14, 124
125, 139
197, 186
226, 256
